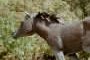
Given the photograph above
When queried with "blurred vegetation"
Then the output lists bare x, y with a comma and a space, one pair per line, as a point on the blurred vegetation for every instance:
31, 48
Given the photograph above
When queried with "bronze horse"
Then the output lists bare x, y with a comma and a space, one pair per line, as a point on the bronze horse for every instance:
63, 38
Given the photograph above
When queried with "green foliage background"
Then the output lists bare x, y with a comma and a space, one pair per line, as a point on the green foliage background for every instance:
29, 48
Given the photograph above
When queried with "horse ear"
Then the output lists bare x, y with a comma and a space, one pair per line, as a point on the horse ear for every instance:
27, 14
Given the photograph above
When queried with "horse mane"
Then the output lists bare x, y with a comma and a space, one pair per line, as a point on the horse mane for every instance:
52, 17
44, 14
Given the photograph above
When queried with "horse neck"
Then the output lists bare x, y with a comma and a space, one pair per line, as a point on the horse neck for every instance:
42, 30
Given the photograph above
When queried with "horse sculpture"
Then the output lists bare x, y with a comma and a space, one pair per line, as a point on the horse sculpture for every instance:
64, 39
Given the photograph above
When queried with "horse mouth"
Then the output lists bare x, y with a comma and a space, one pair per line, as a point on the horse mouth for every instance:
14, 35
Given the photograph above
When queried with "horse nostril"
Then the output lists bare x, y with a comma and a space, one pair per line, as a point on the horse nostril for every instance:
14, 35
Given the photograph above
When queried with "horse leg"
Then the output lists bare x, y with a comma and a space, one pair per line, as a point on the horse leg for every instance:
59, 55
56, 46
73, 57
